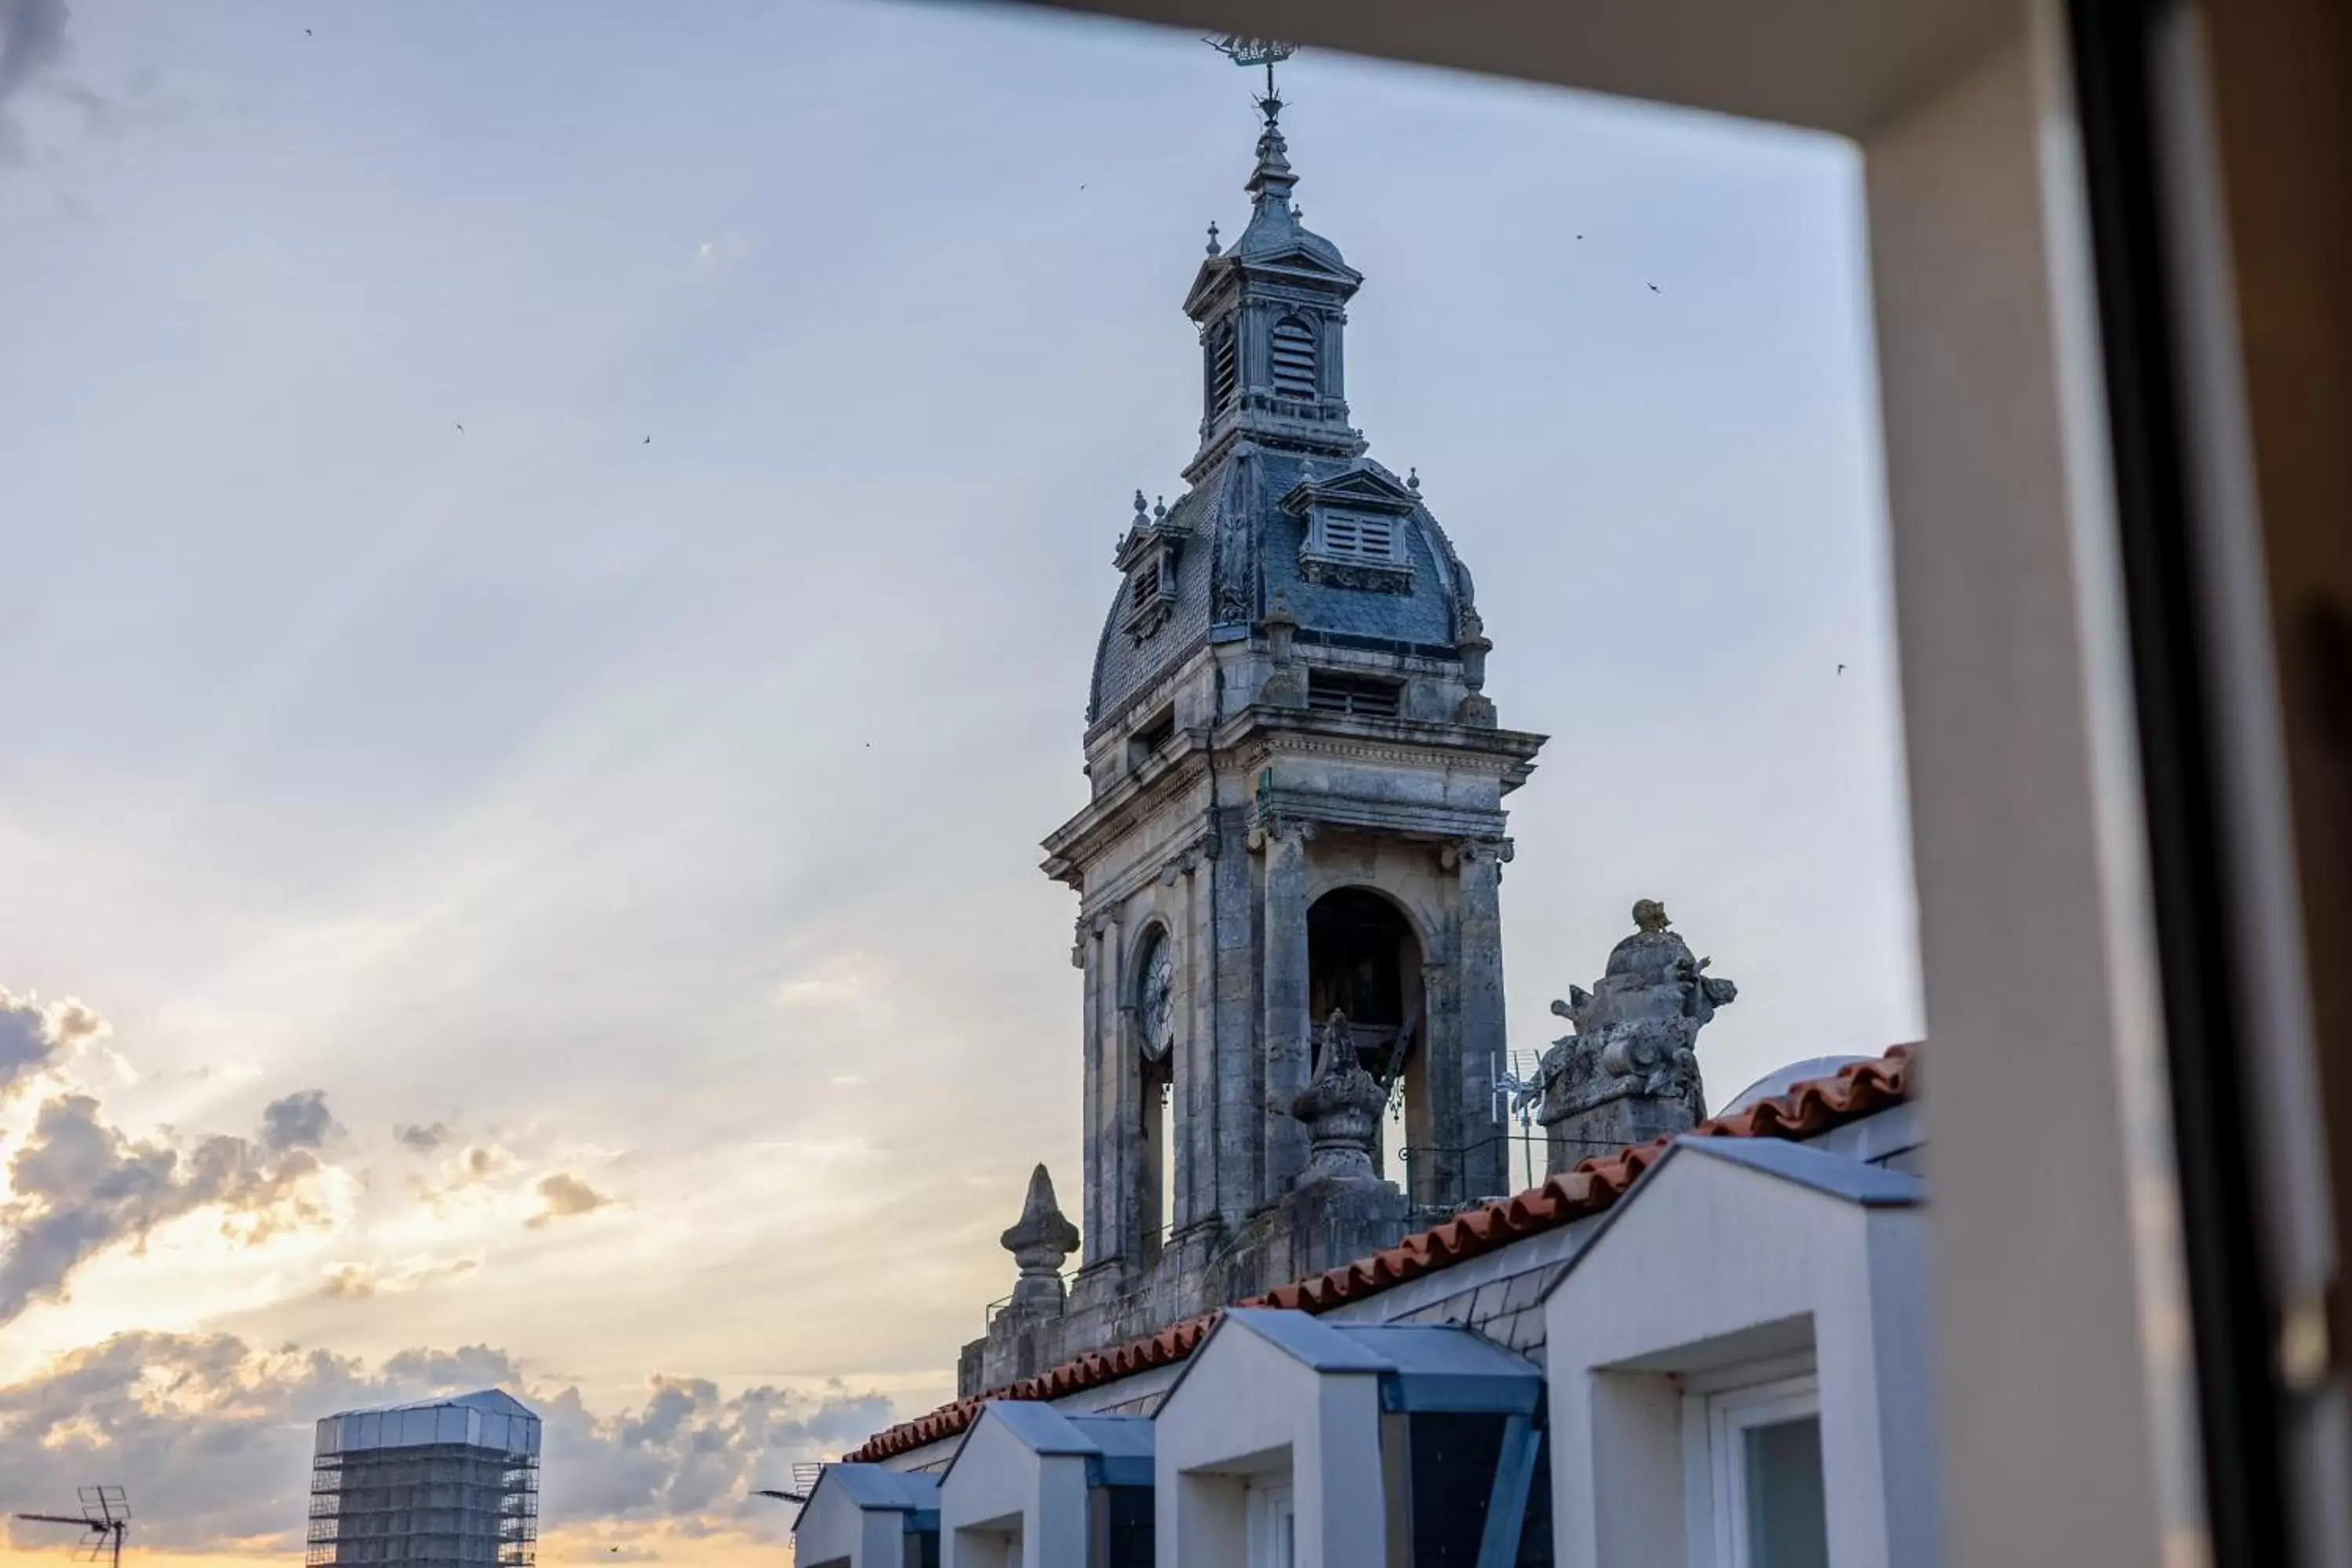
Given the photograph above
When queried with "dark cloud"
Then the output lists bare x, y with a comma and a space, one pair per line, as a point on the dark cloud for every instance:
33, 1035
218, 1435
479, 1162
77, 1186
565, 1194
298, 1121
422, 1139
32, 36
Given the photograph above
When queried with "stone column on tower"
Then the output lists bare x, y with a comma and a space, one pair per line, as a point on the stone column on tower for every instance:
1486, 1156
1286, 1025
1089, 959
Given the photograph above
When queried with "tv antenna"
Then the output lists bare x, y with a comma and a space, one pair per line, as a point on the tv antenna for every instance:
805, 1475
1246, 51
104, 1520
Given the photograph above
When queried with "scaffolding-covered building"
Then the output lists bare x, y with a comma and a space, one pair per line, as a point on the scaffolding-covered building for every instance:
443, 1483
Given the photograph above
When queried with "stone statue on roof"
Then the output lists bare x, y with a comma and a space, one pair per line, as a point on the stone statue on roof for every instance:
1629, 1072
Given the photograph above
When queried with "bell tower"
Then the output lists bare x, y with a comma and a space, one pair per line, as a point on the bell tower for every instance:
1288, 871
1297, 813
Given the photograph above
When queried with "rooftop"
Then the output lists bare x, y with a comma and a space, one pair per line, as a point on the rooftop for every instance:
1804, 1110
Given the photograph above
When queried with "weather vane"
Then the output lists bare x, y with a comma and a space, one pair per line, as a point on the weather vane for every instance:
1243, 50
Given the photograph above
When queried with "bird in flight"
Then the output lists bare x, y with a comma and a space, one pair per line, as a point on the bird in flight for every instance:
648, 441
461, 429
1840, 669
1654, 288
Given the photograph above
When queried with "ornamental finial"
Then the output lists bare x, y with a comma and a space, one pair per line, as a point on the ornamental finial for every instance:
1139, 508
1213, 236
1413, 480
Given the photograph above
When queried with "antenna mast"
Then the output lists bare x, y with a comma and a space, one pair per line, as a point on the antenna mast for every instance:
104, 1520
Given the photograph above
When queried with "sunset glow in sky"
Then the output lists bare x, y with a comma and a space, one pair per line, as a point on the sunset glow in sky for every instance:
548, 560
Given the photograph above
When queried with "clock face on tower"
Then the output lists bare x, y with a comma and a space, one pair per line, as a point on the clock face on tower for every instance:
1156, 1005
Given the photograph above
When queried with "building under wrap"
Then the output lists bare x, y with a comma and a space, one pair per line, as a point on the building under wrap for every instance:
445, 1483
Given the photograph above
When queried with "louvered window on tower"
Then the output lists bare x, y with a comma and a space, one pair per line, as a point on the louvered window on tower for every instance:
1328, 691
1359, 538
1224, 368
1294, 359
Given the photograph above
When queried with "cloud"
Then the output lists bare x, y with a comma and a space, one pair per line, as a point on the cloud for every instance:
359, 1282
422, 1139
349, 1282
221, 1433
299, 1120
479, 1162
565, 1194
77, 1186
32, 38
723, 250
32, 1036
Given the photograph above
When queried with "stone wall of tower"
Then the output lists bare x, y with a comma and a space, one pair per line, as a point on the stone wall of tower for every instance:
1223, 840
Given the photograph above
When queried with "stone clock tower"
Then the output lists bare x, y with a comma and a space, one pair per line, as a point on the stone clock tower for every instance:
1295, 832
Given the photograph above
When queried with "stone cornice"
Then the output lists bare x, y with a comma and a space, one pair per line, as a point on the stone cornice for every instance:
1281, 811
1133, 799
1263, 732
1257, 735
1186, 853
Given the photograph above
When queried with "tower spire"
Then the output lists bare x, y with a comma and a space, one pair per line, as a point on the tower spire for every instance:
1271, 183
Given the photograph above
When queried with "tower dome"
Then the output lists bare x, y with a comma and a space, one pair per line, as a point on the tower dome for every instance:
1282, 504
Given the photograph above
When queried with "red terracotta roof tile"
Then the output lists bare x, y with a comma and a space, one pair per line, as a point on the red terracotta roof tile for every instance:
1809, 1108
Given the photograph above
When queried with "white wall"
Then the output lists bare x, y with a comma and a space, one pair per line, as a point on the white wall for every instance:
1245, 1409
1709, 1266
999, 1494
833, 1529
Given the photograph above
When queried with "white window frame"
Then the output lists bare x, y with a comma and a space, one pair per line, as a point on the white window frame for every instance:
1272, 1525
1717, 1413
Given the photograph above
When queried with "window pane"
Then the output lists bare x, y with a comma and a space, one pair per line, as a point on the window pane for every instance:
1788, 1525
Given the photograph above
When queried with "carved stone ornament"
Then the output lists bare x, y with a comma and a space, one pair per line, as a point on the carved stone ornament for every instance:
1039, 1241
1364, 576
1633, 1045
1341, 1108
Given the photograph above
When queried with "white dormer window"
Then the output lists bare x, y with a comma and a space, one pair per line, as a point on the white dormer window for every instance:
1358, 538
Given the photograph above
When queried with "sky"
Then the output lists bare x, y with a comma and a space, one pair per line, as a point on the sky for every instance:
549, 555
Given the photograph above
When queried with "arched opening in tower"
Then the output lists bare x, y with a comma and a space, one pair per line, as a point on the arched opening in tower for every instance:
1155, 1176
1363, 960
1152, 1009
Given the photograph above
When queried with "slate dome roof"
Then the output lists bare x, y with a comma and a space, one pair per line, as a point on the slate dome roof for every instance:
1241, 547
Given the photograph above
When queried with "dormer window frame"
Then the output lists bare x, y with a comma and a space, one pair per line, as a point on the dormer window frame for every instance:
1148, 556
1337, 551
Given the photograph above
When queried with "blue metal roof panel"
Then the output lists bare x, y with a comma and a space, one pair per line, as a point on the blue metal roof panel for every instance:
876, 1486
